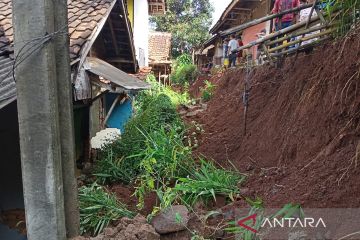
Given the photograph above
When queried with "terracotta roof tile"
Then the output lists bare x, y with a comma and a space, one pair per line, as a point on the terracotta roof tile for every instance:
159, 47
84, 15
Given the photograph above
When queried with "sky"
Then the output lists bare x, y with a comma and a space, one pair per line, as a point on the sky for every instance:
219, 6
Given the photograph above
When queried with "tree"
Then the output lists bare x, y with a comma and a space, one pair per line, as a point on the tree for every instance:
188, 21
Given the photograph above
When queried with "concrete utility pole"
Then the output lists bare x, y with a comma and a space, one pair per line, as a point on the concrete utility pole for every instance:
44, 97
66, 120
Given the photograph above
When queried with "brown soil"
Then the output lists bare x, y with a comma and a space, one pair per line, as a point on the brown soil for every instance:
125, 195
303, 138
14, 219
195, 88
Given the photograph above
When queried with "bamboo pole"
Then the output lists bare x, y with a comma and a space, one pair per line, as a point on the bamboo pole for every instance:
301, 40
263, 19
300, 47
295, 34
276, 34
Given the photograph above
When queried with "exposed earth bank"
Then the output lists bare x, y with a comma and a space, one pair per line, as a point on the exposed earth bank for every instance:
302, 143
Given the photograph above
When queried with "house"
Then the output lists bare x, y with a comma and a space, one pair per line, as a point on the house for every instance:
237, 12
139, 13
159, 54
102, 53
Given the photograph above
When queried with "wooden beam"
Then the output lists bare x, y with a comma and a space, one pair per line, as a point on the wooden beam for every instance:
120, 60
242, 9
113, 36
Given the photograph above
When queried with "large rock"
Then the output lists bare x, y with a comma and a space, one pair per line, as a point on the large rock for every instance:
173, 219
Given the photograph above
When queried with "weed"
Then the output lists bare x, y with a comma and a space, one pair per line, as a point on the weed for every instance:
164, 158
98, 209
115, 163
348, 16
112, 169
206, 183
208, 91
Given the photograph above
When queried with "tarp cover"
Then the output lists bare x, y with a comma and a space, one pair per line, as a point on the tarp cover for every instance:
113, 74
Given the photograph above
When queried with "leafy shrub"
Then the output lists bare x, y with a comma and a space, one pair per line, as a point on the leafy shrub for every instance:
98, 209
184, 59
207, 91
184, 71
184, 74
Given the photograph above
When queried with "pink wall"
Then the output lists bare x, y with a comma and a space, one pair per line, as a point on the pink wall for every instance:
249, 35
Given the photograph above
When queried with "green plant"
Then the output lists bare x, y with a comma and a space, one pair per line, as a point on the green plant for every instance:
184, 74
206, 183
164, 158
112, 169
145, 97
208, 91
348, 15
114, 163
184, 59
98, 208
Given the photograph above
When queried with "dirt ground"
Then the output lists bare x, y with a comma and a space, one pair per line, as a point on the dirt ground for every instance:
302, 143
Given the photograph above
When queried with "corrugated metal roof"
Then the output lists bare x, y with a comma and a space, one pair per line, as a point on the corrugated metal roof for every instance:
113, 74
7, 83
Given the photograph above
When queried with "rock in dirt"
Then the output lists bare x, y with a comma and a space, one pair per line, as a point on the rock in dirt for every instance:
194, 113
130, 229
173, 219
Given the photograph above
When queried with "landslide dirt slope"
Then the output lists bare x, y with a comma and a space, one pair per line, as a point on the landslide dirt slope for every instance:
303, 127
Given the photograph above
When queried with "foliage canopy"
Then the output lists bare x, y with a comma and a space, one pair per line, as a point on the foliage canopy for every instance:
188, 21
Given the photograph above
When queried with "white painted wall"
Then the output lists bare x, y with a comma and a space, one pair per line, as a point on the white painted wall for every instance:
141, 29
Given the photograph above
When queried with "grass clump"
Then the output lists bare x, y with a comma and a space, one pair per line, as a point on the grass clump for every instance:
348, 16
98, 209
205, 183
120, 161
158, 88
208, 91
164, 159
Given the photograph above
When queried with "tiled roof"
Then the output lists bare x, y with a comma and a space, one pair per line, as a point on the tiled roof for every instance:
159, 47
84, 15
7, 83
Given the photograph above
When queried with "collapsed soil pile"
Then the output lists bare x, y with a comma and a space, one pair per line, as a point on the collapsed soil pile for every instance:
195, 88
302, 143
